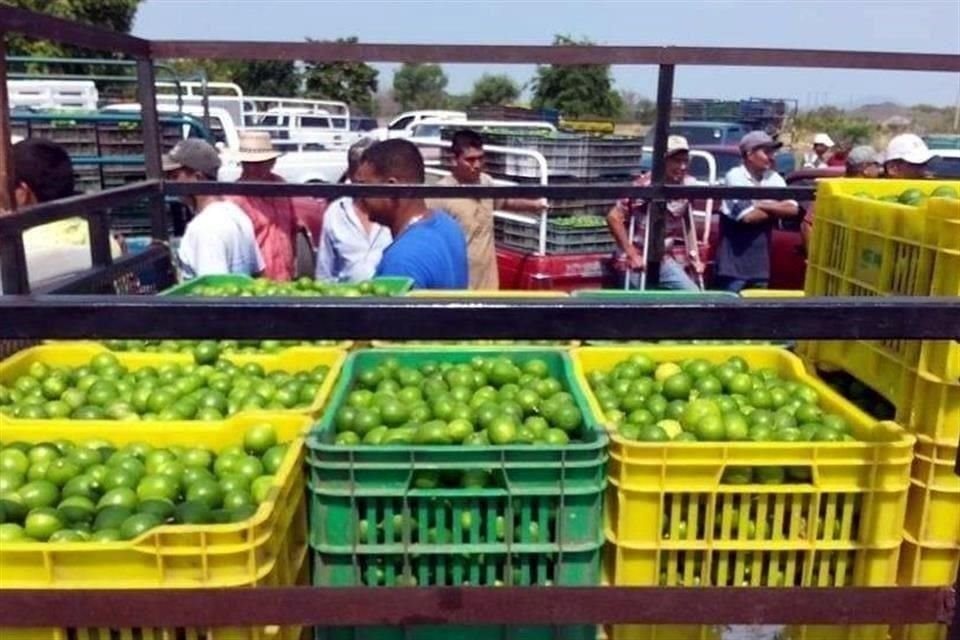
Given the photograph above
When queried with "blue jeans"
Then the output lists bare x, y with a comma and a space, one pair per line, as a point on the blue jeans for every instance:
736, 285
672, 276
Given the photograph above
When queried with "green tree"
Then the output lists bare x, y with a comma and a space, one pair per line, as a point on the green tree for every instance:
355, 83
493, 90
576, 90
420, 86
267, 77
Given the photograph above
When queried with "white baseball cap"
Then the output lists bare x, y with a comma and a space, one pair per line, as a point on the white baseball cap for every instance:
908, 147
676, 144
824, 139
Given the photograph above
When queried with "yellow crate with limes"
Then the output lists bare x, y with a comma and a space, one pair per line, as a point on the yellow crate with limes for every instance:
766, 512
880, 238
41, 383
268, 548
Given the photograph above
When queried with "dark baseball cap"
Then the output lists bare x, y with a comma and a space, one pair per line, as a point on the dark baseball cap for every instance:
195, 154
756, 140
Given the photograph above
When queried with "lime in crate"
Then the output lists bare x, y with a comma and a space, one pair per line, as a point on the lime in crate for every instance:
250, 533
731, 466
500, 483
66, 381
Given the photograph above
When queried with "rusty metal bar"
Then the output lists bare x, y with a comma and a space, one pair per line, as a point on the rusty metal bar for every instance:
73, 206
562, 55
656, 208
45, 27
465, 605
7, 202
610, 190
146, 93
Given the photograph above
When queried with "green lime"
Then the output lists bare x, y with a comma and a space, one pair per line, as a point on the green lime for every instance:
138, 524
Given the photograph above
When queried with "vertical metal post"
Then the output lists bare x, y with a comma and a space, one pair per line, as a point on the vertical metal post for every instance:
147, 95
657, 208
99, 225
13, 265
6, 162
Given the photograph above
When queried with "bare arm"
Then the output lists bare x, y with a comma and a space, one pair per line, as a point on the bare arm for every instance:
524, 205
778, 208
616, 222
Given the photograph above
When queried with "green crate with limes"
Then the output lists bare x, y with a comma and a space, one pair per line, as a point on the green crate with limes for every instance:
456, 466
245, 286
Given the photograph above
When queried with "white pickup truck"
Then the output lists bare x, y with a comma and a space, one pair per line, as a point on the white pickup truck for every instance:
292, 122
402, 126
297, 166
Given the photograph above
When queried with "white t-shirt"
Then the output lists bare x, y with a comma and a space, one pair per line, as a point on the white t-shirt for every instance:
220, 240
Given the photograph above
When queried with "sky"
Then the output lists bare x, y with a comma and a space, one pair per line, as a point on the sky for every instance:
919, 26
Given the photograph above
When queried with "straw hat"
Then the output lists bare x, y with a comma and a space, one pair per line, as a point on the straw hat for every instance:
256, 146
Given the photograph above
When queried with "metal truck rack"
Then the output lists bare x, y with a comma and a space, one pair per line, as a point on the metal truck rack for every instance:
24, 317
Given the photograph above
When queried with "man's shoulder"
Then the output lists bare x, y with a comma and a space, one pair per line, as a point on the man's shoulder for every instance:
738, 172
448, 181
773, 179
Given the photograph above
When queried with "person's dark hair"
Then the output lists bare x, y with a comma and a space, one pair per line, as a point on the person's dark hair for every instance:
354, 156
45, 167
465, 139
396, 158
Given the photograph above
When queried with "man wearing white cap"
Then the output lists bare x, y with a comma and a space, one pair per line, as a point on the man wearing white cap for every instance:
906, 157
219, 239
743, 257
672, 273
822, 143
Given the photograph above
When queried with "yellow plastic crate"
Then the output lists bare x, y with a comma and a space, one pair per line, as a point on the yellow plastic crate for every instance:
172, 556
671, 521
933, 508
925, 404
68, 354
864, 247
926, 566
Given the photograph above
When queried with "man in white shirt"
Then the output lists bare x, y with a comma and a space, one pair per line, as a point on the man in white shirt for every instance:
743, 257
351, 244
220, 239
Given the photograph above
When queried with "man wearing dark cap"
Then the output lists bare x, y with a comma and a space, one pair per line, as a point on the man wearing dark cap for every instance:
219, 239
743, 257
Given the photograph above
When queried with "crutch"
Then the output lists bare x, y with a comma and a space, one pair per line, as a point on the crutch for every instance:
688, 224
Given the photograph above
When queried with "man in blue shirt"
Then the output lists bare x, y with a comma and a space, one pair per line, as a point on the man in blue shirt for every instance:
428, 246
743, 257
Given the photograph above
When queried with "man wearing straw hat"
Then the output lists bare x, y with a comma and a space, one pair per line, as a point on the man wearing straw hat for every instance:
275, 219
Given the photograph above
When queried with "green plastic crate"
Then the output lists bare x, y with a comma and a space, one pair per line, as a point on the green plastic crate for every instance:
579, 568
537, 522
187, 287
651, 295
396, 285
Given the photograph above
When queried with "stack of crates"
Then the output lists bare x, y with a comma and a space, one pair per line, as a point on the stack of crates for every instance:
862, 246
568, 155
268, 549
561, 238
671, 520
416, 515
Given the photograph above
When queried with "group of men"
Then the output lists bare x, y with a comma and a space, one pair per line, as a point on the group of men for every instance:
746, 225
442, 243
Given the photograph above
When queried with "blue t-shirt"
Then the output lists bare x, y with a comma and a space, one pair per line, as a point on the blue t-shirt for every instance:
432, 251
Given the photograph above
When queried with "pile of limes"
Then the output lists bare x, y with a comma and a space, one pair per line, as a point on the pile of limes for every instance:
207, 351
487, 401
301, 288
63, 491
913, 196
107, 390
696, 400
